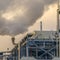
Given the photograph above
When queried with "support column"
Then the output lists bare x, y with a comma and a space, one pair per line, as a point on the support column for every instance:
27, 51
58, 29
19, 51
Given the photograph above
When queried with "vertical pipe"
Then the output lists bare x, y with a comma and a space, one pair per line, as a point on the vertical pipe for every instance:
19, 51
26, 51
58, 12
57, 38
58, 21
41, 26
57, 46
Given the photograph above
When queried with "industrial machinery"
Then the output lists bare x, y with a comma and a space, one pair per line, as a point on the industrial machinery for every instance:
39, 46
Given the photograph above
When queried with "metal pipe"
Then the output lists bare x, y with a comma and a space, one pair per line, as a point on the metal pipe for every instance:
41, 26
13, 41
58, 29
58, 21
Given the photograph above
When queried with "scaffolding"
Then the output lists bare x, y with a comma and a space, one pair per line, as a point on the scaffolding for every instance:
41, 49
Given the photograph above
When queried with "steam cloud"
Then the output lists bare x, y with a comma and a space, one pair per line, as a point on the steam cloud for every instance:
17, 15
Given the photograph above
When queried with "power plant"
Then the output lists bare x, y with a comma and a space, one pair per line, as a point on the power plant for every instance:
42, 45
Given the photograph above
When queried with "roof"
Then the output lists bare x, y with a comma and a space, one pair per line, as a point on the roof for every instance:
43, 34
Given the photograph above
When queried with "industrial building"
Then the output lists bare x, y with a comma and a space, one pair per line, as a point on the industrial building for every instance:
42, 45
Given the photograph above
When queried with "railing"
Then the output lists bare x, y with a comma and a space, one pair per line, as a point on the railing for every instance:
8, 58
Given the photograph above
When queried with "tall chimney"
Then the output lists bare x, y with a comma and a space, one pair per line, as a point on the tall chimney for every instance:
40, 25
58, 17
13, 40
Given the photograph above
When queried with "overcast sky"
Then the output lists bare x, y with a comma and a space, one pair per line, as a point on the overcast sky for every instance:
20, 16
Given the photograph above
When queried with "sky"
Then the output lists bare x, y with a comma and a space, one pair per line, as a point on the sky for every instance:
17, 17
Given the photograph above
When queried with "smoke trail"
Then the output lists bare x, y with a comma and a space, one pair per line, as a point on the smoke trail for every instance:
18, 15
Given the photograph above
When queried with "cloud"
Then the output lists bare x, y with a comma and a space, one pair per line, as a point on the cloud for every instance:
4, 4
18, 15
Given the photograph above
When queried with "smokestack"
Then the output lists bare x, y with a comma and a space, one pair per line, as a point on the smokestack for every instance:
13, 40
40, 25
58, 17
